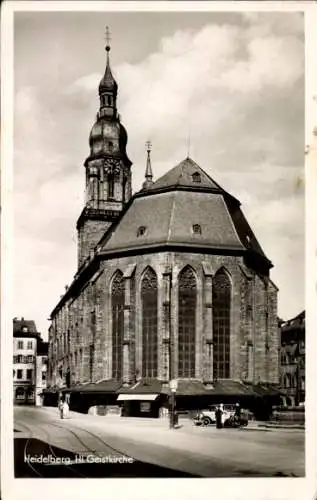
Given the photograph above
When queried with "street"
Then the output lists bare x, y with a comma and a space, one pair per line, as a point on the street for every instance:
110, 446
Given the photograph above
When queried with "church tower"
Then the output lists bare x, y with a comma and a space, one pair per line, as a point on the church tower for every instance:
108, 169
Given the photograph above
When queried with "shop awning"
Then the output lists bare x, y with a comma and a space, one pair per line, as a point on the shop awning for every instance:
137, 397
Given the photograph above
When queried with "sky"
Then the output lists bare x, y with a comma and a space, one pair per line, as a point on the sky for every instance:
232, 82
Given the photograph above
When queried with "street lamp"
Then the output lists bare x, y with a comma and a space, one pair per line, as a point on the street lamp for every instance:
173, 386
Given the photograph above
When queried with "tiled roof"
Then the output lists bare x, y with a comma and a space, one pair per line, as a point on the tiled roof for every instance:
144, 386
189, 388
19, 324
169, 217
182, 175
102, 386
169, 210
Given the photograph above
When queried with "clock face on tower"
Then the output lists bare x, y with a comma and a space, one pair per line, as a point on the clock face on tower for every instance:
112, 166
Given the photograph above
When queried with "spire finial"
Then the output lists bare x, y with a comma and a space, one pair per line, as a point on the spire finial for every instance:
148, 171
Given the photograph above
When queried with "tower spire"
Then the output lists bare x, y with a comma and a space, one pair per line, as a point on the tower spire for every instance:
148, 171
108, 87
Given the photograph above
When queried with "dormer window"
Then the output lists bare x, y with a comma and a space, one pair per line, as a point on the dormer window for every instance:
141, 231
196, 229
196, 177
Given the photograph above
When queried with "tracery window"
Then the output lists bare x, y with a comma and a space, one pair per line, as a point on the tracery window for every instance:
117, 303
187, 299
149, 324
221, 298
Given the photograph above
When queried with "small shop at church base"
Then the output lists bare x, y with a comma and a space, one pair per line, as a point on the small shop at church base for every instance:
140, 405
152, 398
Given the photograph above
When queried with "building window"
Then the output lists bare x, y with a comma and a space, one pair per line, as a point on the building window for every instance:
19, 393
20, 358
117, 299
29, 374
30, 359
43, 376
149, 324
109, 100
196, 229
110, 185
141, 231
19, 374
196, 177
110, 146
31, 394
20, 344
187, 299
221, 298
30, 344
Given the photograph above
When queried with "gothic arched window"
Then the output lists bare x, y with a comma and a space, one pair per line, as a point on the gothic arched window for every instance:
117, 305
187, 299
221, 299
149, 324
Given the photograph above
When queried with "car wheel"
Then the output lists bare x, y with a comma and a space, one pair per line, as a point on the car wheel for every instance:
206, 421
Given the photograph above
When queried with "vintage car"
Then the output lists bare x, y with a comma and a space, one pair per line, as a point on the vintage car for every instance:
208, 416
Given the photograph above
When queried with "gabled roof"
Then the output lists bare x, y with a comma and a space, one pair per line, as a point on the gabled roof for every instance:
184, 175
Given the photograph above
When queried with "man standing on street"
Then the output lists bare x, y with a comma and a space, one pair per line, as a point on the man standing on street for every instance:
218, 418
237, 414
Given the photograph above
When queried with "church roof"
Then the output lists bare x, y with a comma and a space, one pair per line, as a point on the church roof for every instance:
186, 174
170, 217
184, 208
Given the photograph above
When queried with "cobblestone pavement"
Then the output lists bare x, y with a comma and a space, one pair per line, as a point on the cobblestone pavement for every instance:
200, 451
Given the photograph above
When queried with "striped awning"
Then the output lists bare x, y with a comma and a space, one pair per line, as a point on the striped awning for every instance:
137, 397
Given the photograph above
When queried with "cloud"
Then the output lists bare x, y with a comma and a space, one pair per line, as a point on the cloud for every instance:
235, 89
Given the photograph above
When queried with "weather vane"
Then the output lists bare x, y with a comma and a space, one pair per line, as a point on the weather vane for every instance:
107, 38
148, 146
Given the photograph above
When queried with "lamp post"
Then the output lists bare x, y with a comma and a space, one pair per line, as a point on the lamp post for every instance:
173, 387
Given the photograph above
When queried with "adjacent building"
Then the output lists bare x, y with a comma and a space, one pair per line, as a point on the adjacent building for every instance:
172, 283
41, 371
29, 353
292, 378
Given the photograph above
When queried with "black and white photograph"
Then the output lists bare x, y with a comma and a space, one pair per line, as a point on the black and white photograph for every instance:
158, 266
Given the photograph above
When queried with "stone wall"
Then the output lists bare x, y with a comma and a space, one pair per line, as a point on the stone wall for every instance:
253, 338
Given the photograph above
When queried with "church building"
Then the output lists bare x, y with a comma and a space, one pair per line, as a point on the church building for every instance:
171, 284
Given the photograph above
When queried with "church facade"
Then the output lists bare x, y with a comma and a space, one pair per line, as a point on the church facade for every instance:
171, 284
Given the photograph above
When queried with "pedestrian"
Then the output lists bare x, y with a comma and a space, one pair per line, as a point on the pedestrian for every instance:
65, 409
219, 417
61, 408
237, 414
